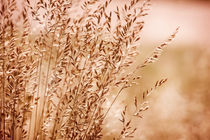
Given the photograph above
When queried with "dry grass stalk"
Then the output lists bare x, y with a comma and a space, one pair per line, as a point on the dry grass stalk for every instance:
54, 84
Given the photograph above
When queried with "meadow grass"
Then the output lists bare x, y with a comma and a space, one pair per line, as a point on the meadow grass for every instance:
54, 83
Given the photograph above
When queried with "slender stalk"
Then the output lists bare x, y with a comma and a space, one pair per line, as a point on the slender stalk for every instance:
76, 96
36, 106
13, 111
3, 91
119, 92
59, 104
38, 90
46, 84
3, 82
25, 90
95, 110
57, 110
21, 131
91, 121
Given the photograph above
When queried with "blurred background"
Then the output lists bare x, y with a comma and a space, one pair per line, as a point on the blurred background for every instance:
180, 109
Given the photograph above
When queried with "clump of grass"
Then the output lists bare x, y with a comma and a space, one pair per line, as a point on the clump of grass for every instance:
54, 84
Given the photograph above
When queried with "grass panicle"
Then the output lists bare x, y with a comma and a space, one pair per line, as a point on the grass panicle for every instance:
55, 79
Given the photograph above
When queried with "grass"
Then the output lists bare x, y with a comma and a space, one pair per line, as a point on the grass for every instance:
54, 84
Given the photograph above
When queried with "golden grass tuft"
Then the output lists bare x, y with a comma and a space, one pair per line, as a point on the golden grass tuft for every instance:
54, 83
